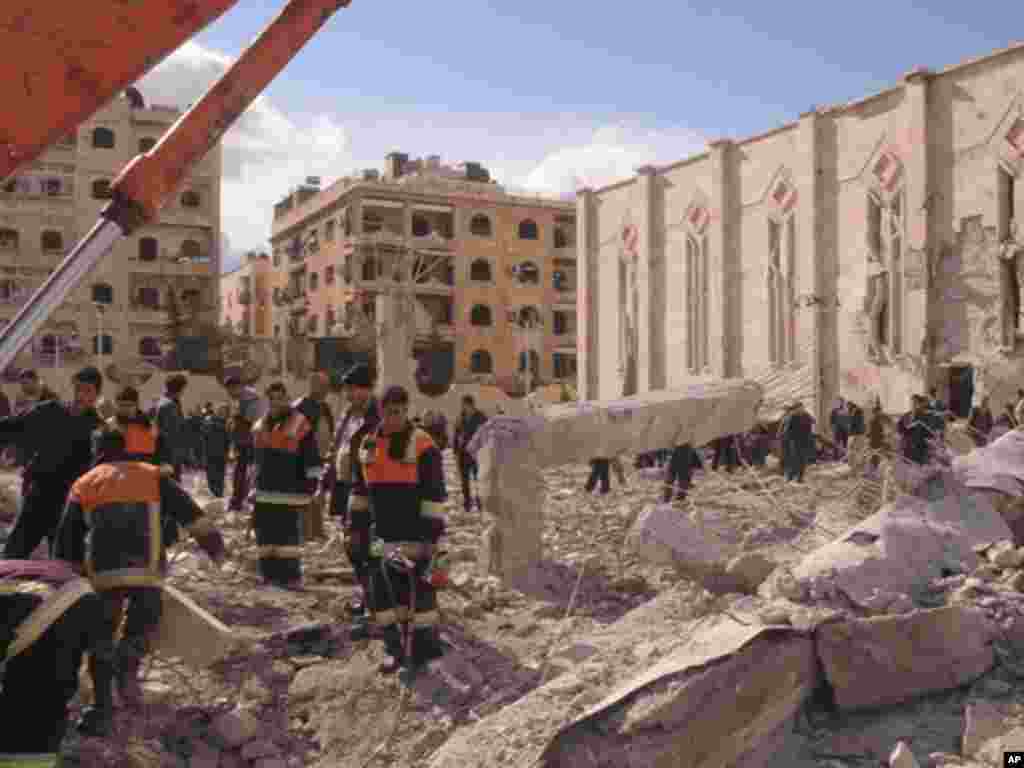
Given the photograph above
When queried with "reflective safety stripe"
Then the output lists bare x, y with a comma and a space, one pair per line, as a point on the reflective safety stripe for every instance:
314, 473
284, 499
434, 510
357, 503
47, 612
127, 577
283, 552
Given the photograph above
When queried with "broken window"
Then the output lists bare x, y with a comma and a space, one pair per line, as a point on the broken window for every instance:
480, 271
8, 239
190, 251
369, 269
146, 143
528, 229
527, 273
480, 225
103, 138
149, 347
102, 293
53, 186
560, 321
528, 317
51, 241
149, 249
563, 237
480, 315
190, 199
420, 225
101, 189
148, 297
480, 362
9, 290
564, 365
372, 222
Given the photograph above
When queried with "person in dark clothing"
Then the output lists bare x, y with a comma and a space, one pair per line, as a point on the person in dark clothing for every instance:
436, 425
679, 472
248, 411
50, 617
600, 474
797, 434
916, 430
399, 475
470, 420
839, 420
109, 532
143, 440
216, 446
170, 420
361, 417
1006, 419
980, 422
5, 405
760, 445
725, 453
57, 438
858, 425
196, 457
315, 408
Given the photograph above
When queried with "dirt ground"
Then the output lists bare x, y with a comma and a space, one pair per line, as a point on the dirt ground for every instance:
319, 699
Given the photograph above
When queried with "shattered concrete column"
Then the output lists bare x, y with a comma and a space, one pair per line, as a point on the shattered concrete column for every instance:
512, 491
650, 373
812, 300
394, 343
920, 241
724, 331
586, 293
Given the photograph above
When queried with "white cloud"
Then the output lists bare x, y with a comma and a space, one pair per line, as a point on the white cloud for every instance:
267, 151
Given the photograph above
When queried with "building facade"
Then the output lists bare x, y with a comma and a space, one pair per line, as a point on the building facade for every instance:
245, 293
494, 274
119, 314
875, 245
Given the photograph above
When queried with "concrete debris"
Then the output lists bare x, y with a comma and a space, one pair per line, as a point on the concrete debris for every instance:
982, 722
902, 757
189, 632
887, 660
235, 728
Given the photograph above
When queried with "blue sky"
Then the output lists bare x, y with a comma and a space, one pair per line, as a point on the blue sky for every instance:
549, 93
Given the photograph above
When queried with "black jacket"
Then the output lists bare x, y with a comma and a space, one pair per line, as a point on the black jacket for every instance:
57, 442
216, 438
465, 428
171, 421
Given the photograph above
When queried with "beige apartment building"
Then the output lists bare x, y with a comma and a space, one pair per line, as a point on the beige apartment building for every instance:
119, 314
245, 297
495, 273
874, 247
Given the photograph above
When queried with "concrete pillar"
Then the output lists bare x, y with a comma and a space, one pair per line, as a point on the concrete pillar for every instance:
651, 279
812, 298
723, 267
608, 321
918, 220
586, 294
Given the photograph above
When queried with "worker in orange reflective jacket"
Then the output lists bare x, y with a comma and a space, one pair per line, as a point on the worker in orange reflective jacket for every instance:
287, 469
112, 530
399, 476
143, 441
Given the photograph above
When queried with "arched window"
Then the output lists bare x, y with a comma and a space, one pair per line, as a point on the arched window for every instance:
146, 143
481, 362
420, 225
314, 322
480, 271
372, 222
8, 239
369, 269
190, 199
149, 347
534, 359
560, 281
48, 344
52, 240
480, 225
148, 297
528, 317
314, 281
560, 322
191, 251
149, 249
277, 331
330, 319
104, 348
561, 238
103, 138
101, 189
480, 315
527, 273
528, 229
190, 297
102, 293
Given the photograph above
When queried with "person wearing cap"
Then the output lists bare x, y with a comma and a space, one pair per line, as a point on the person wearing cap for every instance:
287, 462
112, 530
49, 618
361, 416
143, 441
57, 439
248, 411
399, 477
317, 410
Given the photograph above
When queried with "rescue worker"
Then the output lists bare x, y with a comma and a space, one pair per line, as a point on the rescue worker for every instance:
112, 531
399, 476
315, 408
470, 420
247, 412
679, 472
57, 438
170, 419
362, 416
915, 430
49, 617
436, 425
600, 468
980, 421
217, 445
143, 441
287, 462
797, 434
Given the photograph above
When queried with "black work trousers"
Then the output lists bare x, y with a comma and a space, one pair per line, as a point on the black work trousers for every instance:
468, 472
240, 477
680, 470
357, 546
339, 501
279, 541
599, 473
41, 510
216, 472
40, 681
404, 606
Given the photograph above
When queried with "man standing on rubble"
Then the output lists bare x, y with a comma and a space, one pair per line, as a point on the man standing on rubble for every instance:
247, 412
470, 420
113, 531
315, 408
797, 433
915, 430
980, 421
841, 427
679, 472
57, 440
399, 476
170, 420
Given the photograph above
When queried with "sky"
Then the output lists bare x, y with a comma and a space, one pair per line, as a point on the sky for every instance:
549, 96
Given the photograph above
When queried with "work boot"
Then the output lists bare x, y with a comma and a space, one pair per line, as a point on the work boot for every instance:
426, 646
360, 629
97, 720
129, 659
96, 723
395, 658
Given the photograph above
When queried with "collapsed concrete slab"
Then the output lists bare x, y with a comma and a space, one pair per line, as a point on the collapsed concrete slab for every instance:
998, 466
902, 547
512, 451
189, 632
891, 659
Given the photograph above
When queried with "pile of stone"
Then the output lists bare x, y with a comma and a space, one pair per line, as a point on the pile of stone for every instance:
231, 739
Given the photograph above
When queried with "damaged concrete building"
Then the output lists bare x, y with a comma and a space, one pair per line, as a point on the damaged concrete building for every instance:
872, 248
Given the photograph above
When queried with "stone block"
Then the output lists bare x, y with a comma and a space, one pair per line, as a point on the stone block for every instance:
982, 722
235, 728
254, 750
887, 660
189, 632
902, 757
